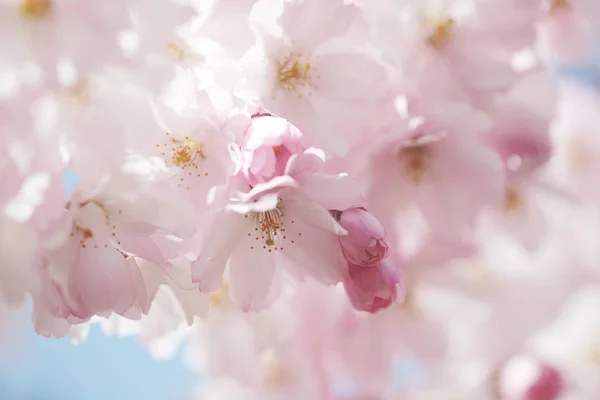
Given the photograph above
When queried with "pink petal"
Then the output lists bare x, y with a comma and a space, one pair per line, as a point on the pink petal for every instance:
334, 192
219, 241
312, 22
251, 272
350, 77
311, 214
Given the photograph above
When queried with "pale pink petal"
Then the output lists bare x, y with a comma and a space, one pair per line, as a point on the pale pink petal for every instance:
219, 241
334, 192
350, 77
251, 272
311, 22
313, 249
311, 214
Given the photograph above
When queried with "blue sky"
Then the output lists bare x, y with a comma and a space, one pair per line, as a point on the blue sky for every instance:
100, 368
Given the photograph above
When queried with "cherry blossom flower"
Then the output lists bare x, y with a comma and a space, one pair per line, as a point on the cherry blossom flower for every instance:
195, 138
445, 50
567, 27
436, 160
88, 264
281, 222
298, 75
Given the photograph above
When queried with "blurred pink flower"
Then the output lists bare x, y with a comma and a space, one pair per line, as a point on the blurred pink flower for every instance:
526, 378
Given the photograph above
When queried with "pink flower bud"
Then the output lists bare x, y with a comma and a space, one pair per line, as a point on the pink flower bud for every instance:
372, 288
365, 243
269, 144
525, 378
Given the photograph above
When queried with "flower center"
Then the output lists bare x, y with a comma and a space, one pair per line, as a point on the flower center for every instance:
276, 375
593, 354
35, 9
512, 200
219, 299
185, 153
442, 32
414, 160
177, 52
270, 229
86, 235
295, 72
559, 5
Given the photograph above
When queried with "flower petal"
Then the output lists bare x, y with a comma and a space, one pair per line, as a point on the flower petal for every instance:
348, 77
334, 192
219, 241
251, 272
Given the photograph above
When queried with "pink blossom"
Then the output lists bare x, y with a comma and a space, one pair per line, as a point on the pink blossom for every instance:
193, 143
374, 287
365, 242
283, 222
313, 77
269, 144
445, 170
88, 258
567, 27
445, 50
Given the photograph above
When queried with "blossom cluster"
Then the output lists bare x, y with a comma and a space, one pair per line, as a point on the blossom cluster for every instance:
336, 200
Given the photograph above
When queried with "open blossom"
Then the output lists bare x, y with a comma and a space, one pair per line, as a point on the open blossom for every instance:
57, 35
445, 170
566, 28
88, 258
195, 138
365, 242
374, 287
443, 48
284, 222
309, 76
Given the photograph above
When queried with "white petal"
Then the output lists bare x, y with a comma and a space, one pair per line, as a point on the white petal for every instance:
251, 273
219, 241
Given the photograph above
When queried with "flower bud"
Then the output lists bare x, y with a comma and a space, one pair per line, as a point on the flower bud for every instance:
372, 288
365, 242
270, 142
525, 378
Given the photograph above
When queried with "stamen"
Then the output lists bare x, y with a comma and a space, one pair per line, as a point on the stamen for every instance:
512, 200
295, 72
269, 229
35, 9
442, 33
558, 6
414, 160
177, 52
